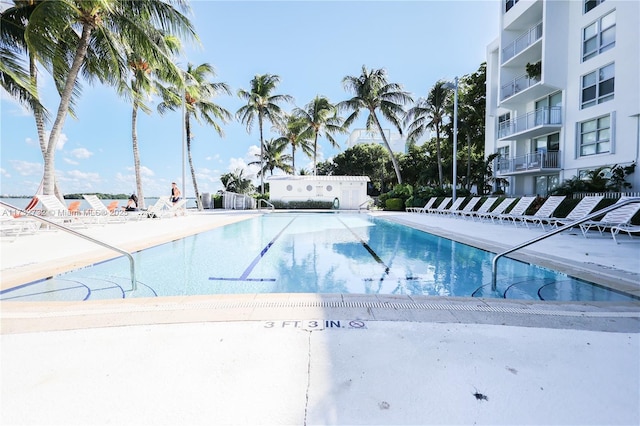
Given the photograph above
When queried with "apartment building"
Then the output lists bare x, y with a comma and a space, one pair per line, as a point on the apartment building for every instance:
563, 91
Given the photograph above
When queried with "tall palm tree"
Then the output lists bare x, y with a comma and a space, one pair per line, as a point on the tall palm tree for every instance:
274, 157
196, 95
428, 113
146, 73
263, 105
81, 36
236, 182
321, 119
373, 92
293, 132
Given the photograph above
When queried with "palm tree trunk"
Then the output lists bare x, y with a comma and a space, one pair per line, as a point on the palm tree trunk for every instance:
63, 109
193, 170
136, 153
293, 158
261, 155
386, 144
315, 154
439, 156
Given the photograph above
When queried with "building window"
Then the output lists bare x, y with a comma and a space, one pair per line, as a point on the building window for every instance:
546, 184
508, 4
590, 4
289, 188
599, 37
595, 136
598, 86
502, 163
329, 188
309, 187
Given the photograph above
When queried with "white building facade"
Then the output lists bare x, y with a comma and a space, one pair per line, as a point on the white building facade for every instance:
345, 192
581, 110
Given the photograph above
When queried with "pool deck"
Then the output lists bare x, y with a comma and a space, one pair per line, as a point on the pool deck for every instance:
304, 359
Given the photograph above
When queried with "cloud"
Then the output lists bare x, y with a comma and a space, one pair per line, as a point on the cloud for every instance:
4, 173
81, 153
70, 161
25, 168
62, 139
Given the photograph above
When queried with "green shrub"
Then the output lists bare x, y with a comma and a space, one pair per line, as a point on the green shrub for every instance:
394, 204
309, 204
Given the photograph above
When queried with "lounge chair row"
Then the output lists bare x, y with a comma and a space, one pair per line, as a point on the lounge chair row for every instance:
617, 221
71, 216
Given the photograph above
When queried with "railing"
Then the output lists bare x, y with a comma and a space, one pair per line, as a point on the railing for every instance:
134, 283
545, 116
494, 264
367, 202
532, 161
516, 85
269, 205
523, 41
233, 201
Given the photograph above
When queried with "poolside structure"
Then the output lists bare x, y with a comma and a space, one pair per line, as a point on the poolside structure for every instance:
345, 192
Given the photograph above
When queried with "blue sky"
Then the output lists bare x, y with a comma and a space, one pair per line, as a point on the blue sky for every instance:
310, 45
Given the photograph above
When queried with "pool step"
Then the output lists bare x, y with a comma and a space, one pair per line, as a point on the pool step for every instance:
78, 288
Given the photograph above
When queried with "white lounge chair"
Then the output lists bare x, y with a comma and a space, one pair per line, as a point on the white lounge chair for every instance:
427, 206
583, 208
454, 206
59, 213
518, 210
102, 213
542, 214
176, 208
625, 228
443, 204
615, 218
467, 208
484, 208
12, 227
158, 209
504, 204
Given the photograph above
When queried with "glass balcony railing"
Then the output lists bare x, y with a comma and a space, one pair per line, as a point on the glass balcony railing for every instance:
531, 162
541, 117
516, 85
523, 41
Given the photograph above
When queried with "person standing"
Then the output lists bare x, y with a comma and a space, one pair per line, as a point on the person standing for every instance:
175, 193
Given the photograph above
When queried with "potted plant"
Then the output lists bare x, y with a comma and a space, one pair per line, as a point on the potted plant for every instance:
534, 70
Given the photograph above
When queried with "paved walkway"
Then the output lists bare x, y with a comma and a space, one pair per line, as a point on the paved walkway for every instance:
322, 359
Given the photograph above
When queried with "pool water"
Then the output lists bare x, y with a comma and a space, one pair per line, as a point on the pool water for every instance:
313, 253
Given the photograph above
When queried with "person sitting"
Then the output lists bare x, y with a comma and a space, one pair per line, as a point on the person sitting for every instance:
175, 193
132, 204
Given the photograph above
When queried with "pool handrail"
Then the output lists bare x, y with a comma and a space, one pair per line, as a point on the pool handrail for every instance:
494, 263
269, 205
134, 284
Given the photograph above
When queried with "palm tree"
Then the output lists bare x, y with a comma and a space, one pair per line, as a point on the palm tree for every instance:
146, 70
293, 133
428, 114
373, 92
261, 103
321, 118
274, 157
196, 96
236, 182
75, 36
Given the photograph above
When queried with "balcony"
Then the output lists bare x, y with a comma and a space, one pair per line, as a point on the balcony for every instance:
522, 42
529, 163
517, 85
532, 124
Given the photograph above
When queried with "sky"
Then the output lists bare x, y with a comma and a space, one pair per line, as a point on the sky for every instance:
310, 45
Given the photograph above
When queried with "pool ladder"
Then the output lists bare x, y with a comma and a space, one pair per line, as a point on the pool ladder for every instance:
494, 265
134, 284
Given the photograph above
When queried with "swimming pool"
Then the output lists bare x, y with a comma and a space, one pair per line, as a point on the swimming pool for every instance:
313, 253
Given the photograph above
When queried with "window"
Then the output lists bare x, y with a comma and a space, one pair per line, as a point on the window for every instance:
599, 37
548, 110
598, 86
502, 162
508, 4
595, 136
546, 184
590, 4
504, 125
289, 188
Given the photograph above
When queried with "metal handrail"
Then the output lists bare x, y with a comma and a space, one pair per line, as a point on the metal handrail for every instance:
367, 202
134, 284
261, 200
494, 263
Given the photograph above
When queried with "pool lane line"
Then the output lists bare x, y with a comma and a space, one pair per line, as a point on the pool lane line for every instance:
245, 274
369, 249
